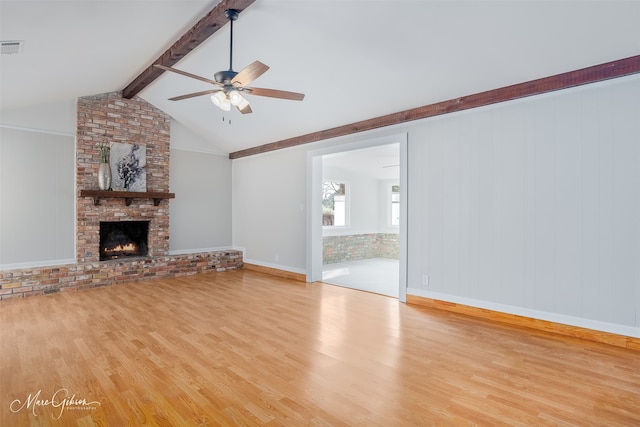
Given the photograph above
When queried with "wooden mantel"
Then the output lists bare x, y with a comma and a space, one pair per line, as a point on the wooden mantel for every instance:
128, 196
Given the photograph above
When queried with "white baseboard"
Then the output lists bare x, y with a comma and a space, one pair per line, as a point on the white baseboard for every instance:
626, 330
276, 266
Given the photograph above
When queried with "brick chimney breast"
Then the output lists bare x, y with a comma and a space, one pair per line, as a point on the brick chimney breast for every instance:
108, 118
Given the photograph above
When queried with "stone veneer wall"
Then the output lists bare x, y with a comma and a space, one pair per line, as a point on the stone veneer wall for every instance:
111, 118
360, 246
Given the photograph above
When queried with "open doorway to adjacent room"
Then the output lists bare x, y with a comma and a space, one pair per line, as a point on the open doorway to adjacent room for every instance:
358, 240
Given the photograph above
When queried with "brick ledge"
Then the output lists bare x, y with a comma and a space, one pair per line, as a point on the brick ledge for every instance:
25, 282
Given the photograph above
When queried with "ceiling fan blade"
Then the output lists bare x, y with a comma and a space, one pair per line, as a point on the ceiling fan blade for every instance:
245, 110
250, 73
193, 95
184, 73
273, 93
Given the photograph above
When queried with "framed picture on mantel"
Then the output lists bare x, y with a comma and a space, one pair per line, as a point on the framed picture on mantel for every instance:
128, 167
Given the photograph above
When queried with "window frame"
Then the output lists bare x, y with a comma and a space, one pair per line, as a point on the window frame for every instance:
347, 202
390, 203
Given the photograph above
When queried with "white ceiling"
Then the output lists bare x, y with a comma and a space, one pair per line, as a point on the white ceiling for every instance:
379, 162
354, 60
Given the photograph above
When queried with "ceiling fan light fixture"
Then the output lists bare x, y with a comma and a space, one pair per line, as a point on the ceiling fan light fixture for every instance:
221, 101
244, 104
236, 98
231, 84
217, 99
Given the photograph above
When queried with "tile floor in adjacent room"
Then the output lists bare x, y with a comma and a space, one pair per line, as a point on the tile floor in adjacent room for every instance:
377, 275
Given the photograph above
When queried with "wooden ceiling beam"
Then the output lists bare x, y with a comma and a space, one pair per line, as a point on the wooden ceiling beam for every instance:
202, 30
596, 73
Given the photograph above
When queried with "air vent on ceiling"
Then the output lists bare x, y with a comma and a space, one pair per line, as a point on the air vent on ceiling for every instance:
12, 46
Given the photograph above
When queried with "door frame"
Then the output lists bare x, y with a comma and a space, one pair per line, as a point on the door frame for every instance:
314, 204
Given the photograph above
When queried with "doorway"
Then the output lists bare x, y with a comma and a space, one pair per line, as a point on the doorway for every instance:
357, 221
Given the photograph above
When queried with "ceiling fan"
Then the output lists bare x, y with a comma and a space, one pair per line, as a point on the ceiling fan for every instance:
231, 84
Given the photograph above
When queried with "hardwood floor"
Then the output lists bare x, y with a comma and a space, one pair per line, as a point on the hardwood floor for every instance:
245, 348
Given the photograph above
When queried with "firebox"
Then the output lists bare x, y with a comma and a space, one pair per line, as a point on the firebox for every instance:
121, 239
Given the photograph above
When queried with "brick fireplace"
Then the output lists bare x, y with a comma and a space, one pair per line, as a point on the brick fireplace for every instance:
121, 239
110, 118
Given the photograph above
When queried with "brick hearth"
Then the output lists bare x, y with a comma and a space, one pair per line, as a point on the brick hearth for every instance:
111, 118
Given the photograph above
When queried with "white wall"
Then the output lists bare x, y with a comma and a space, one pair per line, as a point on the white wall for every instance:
530, 207
37, 185
184, 139
200, 215
51, 118
37, 198
269, 216
533, 207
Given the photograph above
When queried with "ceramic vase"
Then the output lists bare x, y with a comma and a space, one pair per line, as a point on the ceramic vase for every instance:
104, 176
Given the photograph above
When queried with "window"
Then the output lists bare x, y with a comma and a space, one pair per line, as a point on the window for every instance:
334, 204
395, 205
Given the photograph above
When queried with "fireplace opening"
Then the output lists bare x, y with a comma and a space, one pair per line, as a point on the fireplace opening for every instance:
122, 239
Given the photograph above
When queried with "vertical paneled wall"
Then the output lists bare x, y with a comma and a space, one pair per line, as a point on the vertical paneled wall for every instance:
201, 213
532, 204
36, 198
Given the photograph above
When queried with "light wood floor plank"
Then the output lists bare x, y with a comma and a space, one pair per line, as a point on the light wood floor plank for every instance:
245, 348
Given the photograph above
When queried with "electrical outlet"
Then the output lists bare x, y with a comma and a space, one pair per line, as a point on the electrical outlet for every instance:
425, 280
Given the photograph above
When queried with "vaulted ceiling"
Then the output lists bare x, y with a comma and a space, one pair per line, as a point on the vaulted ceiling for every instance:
353, 59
